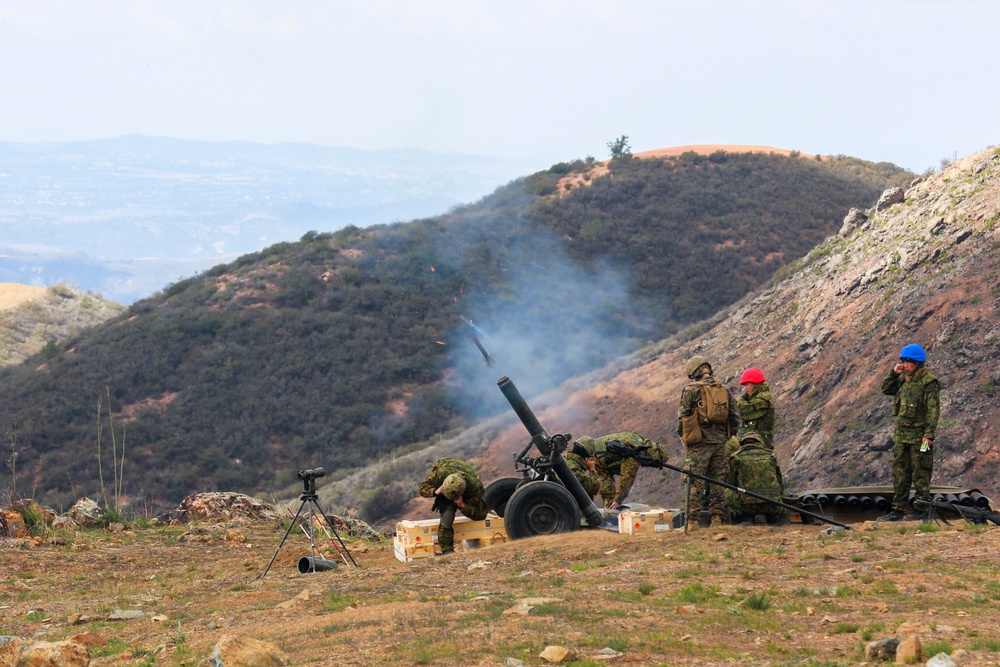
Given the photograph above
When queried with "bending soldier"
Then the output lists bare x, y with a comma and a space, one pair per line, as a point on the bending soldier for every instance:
916, 407
454, 485
754, 467
607, 464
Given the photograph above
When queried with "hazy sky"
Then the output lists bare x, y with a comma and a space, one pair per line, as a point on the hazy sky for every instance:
906, 81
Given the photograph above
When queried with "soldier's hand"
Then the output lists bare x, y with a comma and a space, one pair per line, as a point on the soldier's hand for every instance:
591, 464
615, 505
898, 369
460, 503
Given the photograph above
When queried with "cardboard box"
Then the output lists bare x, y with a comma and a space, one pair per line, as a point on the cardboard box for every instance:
649, 522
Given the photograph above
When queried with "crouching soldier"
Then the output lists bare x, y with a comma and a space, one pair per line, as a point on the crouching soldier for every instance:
584, 467
609, 464
754, 467
454, 485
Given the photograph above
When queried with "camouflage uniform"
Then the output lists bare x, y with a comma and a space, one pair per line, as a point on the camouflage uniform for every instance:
472, 496
754, 467
609, 465
916, 407
589, 479
708, 457
757, 413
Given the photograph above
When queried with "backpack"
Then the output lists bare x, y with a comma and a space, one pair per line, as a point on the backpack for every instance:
713, 406
757, 471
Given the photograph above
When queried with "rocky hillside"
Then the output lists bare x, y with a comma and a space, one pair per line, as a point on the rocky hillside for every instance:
33, 317
921, 266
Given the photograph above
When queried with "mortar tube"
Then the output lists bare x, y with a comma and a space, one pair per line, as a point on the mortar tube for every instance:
543, 441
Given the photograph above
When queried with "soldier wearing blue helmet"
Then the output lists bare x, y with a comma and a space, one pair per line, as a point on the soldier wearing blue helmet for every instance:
916, 407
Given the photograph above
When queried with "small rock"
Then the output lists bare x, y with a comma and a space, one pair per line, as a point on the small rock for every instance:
519, 609
88, 639
232, 651
909, 651
913, 628
478, 565
720, 537
942, 660
126, 614
65, 654
883, 649
514, 662
557, 654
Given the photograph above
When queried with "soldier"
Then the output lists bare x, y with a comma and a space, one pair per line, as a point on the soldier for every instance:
706, 418
584, 467
916, 407
608, 465
756, 406
754, 467
454, 485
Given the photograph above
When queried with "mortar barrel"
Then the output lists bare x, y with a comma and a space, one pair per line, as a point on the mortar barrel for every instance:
965, 500
881, 503
807, 500
951, 498
854, 502
867, 503
938, 497
840, 502
823, 499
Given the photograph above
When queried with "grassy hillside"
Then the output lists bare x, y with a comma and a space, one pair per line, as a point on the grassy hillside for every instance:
341, 348
35, 319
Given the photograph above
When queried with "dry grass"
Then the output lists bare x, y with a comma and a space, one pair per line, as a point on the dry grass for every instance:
726, 596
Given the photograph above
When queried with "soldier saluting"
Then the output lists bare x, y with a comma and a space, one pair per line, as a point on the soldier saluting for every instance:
916, 406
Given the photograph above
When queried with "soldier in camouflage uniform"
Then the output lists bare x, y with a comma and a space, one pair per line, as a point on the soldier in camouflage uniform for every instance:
754, 467
916, 406
608, 464
455, 485
707, 457
584, 467
756, 406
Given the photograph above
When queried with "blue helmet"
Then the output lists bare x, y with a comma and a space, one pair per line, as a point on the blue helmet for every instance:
913, 352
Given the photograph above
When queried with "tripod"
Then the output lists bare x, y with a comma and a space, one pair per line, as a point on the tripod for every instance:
311, 500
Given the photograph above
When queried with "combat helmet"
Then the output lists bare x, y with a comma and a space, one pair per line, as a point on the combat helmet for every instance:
453, 486
588, 444
694, 363
752, 437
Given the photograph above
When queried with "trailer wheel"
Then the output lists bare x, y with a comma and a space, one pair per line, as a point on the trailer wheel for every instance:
541, 508
498, 492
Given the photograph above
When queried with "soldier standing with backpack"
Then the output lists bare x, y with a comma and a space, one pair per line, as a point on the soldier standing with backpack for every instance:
706, 418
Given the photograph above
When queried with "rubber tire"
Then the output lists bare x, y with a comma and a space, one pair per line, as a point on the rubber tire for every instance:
541, 508
498, 492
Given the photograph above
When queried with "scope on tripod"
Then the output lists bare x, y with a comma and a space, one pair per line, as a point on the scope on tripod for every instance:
312, 473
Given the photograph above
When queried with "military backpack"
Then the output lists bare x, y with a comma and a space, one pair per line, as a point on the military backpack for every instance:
713, 405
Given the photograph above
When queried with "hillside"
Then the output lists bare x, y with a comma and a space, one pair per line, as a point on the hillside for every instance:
342, 348
727, 596
925, 269
33, 319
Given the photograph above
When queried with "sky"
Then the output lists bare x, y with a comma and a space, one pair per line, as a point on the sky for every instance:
905, 81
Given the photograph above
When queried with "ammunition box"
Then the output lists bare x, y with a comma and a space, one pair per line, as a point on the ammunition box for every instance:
418, 539
648, 522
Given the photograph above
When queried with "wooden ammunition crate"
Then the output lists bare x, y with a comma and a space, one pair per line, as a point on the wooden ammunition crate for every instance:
418, 539
648, 522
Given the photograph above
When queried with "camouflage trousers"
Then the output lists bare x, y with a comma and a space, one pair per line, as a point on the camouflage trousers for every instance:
446, 528
739, 510
709, 460
910, 466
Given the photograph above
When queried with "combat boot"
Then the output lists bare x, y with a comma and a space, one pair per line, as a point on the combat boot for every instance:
925, 517
894, 515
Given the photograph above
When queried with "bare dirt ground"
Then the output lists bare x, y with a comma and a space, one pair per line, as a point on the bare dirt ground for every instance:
722, 596
14, 294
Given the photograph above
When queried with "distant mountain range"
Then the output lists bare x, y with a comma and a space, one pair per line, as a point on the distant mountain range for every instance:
125, 217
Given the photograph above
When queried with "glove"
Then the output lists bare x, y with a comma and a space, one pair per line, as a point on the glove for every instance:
441, 503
